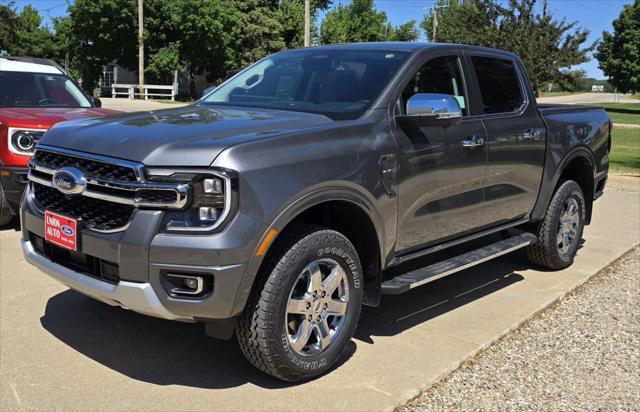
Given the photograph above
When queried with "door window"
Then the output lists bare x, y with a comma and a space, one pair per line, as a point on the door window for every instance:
499, 85
439, 75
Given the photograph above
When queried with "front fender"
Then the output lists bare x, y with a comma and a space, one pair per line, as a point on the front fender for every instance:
298, 205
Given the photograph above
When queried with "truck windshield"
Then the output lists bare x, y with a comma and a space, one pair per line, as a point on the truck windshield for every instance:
341, 84
21, 89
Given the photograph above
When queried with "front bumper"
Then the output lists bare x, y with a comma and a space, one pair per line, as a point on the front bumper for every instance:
139, 297
143, 255
14, 180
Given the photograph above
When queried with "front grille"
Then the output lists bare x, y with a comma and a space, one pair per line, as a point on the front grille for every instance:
92, 168
92, 213
79, 262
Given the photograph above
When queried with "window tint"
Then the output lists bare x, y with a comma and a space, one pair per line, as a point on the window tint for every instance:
341, 84
499, 85
21, 89
440, 75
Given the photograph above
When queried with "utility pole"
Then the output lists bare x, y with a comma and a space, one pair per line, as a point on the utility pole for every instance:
434, 29
141, 47
307, 23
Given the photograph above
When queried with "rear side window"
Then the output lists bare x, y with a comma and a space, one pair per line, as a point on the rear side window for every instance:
499, 85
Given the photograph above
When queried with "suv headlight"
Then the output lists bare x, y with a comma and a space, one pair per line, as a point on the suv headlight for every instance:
213, 198
23, 141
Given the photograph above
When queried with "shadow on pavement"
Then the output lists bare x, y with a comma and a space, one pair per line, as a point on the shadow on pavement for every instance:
151, 350
173, 353
14, 225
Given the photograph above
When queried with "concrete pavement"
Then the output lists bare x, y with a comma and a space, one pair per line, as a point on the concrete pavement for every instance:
61, 350
126, 105
589, 98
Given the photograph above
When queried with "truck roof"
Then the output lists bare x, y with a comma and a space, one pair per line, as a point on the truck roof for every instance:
413, 47
11, 65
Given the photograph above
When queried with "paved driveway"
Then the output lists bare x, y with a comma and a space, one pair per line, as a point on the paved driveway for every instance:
584, 98
126, 105
62, 350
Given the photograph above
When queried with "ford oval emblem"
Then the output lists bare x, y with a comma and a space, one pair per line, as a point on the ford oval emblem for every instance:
69, 181
67, 230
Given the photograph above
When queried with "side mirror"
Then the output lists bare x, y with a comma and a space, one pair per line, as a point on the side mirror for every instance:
95, 101
431, 109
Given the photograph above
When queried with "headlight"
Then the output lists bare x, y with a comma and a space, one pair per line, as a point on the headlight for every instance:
213, 198
23, 141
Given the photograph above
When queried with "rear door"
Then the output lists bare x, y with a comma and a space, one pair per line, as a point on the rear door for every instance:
515, 132
440, 181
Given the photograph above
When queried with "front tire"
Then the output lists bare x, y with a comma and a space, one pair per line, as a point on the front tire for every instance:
5, 210
303, 313
560, 232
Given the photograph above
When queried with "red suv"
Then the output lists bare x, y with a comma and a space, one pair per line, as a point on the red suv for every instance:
33, 97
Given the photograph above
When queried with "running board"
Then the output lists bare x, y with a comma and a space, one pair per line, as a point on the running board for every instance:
419, 277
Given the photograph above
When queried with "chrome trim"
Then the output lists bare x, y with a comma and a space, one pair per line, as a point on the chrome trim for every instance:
137, 167
138, 297
182, 192
15, 150
34, 203
181, 291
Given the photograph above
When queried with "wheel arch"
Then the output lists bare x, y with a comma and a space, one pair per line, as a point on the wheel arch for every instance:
359, 221
578, 165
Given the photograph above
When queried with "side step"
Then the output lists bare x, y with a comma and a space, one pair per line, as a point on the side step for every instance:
419, 277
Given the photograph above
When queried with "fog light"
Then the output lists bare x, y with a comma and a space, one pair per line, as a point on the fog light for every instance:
186, 285
191, 283
208, 214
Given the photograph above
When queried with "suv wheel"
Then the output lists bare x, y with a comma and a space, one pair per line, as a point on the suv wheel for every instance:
5, 211
298, 323
560, 232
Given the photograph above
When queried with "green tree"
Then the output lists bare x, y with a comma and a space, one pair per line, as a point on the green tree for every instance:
256, 31
22, 34
360, 21
8, 23
545, 45
291, 18
164, 62
619, 53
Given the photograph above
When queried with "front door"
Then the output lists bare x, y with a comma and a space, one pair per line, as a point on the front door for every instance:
440, 181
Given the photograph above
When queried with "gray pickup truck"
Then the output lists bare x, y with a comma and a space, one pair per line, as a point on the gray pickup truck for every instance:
310, 184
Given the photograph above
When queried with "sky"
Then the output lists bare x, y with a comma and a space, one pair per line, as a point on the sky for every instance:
595, 15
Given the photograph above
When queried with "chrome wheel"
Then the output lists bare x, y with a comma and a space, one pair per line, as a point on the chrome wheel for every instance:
317, 306
568, 226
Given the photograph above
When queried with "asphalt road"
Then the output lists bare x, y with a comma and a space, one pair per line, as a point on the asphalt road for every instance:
62, 350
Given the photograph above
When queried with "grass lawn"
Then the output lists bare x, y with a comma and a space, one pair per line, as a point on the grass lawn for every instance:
629, 118
625, 150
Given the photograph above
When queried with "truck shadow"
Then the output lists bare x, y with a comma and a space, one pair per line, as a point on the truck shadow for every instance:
14, 224
173, 353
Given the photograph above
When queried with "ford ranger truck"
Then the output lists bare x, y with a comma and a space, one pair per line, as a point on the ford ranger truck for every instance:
33, 97
309, 184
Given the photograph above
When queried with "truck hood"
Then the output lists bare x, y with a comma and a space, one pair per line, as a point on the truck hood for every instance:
187, 136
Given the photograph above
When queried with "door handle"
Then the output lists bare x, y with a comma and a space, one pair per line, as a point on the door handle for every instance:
473, 141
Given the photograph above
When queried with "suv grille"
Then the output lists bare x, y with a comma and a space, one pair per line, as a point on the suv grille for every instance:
93, 213
92, 168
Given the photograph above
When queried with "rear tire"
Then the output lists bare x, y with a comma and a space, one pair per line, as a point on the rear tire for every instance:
560, 232
304, 307
5, 210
